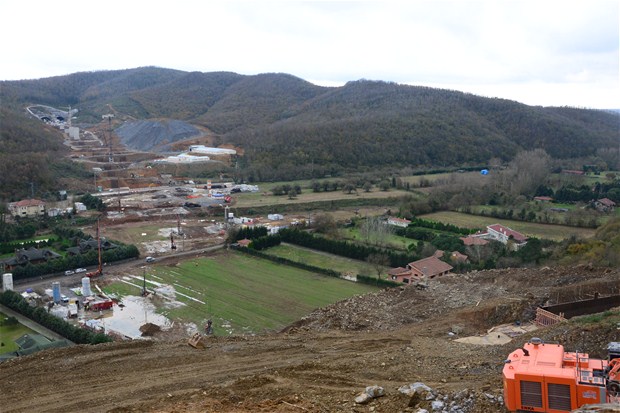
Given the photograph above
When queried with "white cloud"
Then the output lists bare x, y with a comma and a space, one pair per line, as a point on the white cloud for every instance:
512, 49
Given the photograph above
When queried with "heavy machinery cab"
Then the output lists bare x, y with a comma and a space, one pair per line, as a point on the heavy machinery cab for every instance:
542, 377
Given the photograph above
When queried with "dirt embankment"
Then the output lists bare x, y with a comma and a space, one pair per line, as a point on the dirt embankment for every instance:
155, 135
392, 338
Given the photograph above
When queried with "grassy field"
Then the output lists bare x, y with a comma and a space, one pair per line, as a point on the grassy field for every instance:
264, 197
246, 293
552, 232
322, 259
10, 333
395, 241
415, 180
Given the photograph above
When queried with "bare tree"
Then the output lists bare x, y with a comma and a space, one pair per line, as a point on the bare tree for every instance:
375, 231
525, 173
378, 263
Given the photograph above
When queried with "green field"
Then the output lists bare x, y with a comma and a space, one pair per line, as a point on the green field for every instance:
322, 260
266, 198
10, 333
546, 231
431, 179
392, 240
249, 294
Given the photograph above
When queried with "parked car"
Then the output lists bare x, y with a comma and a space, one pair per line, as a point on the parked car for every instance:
64, 298
150, 259
78, 270
69, 272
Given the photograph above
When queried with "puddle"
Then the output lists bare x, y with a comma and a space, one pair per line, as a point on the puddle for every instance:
499, 335
127, 319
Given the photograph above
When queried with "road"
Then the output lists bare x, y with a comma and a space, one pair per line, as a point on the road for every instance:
70, 281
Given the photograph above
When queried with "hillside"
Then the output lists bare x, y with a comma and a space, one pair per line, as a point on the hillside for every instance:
31, 152
291, 128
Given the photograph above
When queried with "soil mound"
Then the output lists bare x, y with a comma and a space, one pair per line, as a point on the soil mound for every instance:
149, 329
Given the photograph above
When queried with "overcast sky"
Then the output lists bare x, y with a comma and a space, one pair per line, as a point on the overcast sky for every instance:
538, 52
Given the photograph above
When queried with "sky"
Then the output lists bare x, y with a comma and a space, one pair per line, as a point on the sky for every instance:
538, 52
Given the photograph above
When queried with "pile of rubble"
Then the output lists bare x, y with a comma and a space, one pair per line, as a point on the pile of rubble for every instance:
488, 298
419, 398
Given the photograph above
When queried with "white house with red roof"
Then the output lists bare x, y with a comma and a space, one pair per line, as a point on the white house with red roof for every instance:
399, 222
504, 234
27, 208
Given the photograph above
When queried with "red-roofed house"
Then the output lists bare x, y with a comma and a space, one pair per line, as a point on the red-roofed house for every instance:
604, 205
430, 267
572, 172
244, 242
27, 208
504, 234
399, 222
474, 240
458, 257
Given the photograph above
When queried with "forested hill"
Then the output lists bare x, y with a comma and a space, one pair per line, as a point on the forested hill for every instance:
284, 122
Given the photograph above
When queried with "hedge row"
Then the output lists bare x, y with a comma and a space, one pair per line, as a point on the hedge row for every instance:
265, 242
16, 302
362, 279
6, 248
440, 226
344, 248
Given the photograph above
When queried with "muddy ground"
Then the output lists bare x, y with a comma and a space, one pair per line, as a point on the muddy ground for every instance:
321, 363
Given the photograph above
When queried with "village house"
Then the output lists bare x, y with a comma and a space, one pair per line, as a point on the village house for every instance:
27, 208
90, 244
399, 222
543, 198
474, 240
504, 235
426, 268
604, 205
458, 257
31, 255
244, 242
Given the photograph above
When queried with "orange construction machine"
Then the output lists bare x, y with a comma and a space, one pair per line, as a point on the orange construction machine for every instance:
542, 377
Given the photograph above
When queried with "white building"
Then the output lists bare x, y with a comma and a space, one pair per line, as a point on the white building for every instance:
399, 222
211, 151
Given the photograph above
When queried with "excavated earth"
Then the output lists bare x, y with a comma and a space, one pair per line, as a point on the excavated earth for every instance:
391, 338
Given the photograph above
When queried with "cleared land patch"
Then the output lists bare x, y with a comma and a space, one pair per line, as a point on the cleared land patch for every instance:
263, 198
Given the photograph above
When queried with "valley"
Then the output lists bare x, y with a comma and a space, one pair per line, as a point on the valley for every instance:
318, 240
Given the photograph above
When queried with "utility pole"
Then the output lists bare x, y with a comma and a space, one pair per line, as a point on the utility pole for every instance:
144, 282
109, 117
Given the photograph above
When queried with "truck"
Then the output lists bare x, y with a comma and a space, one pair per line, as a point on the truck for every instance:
542, 377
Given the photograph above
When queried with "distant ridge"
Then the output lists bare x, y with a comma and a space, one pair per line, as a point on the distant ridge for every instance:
292, 128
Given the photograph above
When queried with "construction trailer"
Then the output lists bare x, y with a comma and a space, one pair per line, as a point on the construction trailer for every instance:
542, 377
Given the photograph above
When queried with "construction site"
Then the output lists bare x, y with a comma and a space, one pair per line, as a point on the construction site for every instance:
394, 339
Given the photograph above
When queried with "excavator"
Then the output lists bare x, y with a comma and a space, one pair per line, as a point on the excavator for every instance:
542, 377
